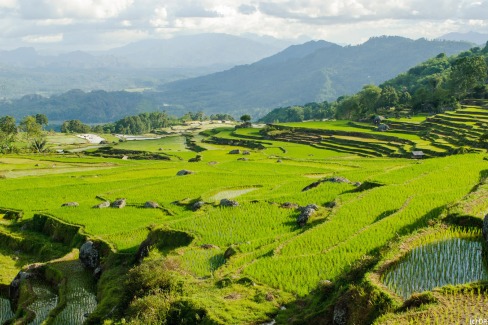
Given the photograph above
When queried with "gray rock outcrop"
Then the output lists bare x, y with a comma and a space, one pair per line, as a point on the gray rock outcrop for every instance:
337, 179
151, 205
197, 205
119, 203
235, 152
70, 204
89, 255
102, 205
306, 213
184, 172
228, 203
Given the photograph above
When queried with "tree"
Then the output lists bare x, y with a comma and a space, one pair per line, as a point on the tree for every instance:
245, 118
41, 119
368, 98
467, 73
74, 126
30, 127
8, 130
388, 97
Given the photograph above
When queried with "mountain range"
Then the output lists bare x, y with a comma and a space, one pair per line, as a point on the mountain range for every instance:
311, 72
137, 65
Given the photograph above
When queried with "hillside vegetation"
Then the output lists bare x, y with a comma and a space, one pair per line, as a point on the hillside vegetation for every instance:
286, 225
433, 86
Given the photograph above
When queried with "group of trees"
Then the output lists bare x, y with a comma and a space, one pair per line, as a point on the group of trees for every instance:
310, 111
32, 128
139, 124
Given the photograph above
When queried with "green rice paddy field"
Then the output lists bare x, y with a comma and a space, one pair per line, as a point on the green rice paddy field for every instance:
285, 263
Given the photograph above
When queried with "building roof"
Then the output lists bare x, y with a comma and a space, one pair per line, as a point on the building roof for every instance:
418, 153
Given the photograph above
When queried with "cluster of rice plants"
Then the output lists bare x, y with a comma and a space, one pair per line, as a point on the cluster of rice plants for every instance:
455, 259
46, 300
80, 293
5, 310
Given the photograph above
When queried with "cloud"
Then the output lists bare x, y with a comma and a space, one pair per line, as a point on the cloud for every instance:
91, 9
196, 12
55, 38
343, 21
246, 9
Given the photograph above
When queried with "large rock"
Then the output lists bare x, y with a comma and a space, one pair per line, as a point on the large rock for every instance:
89, 255
340, 314
184, 172
151, 205
70, 204
307, 212
15, 285
197, 205
337, 179
102, 205
228, 203
235, 152
119, 203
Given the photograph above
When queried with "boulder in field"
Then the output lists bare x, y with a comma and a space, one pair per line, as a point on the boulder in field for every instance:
228, 203
246, 152
197, 205
102, 205
337, 179
184, 172
70, 204
235, 152
119, 203
306, 213
383, 127
89, 255
151, 205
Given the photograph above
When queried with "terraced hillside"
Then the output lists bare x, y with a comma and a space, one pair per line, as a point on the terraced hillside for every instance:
439, 135
242, 228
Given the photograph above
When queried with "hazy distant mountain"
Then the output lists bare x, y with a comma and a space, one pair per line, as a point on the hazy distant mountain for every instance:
136, 65
472, 37
201, 50
312, 72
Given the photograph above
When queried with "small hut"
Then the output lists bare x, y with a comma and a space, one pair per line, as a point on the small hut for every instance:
418, 154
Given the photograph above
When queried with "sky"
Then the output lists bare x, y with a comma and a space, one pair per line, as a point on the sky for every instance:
65, 25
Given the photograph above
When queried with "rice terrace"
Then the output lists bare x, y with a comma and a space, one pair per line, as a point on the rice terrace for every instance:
365, 204
292, 222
